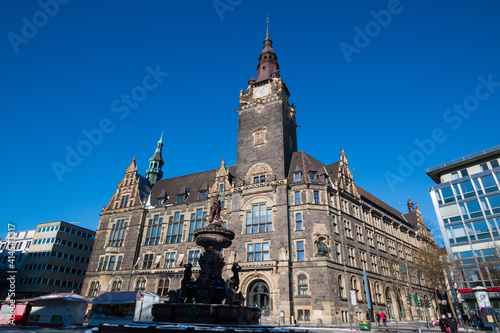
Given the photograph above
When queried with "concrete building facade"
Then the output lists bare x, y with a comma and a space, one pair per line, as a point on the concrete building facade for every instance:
304, 230
56, 261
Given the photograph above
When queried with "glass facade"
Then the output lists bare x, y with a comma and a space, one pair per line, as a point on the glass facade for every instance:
469, 210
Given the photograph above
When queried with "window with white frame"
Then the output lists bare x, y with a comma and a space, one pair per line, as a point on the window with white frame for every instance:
351, 255
169, 260
302, 285
374, 263
362, 258
338, 252
359, 233
369, 235
348, 228
194, 257
259, 219
257, 252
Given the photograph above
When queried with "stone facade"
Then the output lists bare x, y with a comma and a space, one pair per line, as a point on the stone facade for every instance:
301, 226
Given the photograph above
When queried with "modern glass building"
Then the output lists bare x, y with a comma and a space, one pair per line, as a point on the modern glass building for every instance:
466, 198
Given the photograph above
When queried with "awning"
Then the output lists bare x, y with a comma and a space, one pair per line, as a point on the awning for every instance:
68, 297
119, 297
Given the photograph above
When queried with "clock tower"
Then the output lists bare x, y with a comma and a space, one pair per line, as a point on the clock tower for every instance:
267, 134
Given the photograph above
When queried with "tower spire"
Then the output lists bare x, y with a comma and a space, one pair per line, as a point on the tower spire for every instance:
268, 61
267, 34
154, 173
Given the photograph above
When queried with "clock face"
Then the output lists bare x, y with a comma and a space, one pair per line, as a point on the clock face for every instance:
262, 91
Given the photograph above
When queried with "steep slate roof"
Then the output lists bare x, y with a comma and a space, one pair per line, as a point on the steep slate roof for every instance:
304, 162
194, 182
144, 188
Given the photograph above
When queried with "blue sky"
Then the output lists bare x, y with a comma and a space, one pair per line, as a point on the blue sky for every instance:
374, 77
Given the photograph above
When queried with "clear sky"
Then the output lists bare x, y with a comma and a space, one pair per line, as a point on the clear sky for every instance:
379, 78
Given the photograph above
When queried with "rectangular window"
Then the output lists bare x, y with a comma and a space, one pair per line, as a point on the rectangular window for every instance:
362, 258
374, 264
335, 224
494, 164
119, 263
148, 261
175, 227
297, 198
484, 166
359, 233
260, 219
351, 256
297, 176
124, 202
298, 221
464, 172
181, 197
194, 257
369, 235
257, 252
169, 260
197, 221
118, 232
202, 194
259, 179
338, 252
316, 197
154, 231
300, 251
348, 228
314, 175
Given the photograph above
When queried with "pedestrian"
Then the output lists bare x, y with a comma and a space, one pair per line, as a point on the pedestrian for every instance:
443, 324
465, 317
384, 318
377, 316
452, 323
475, 320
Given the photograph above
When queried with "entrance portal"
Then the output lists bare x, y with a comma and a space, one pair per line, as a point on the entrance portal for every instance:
258, 295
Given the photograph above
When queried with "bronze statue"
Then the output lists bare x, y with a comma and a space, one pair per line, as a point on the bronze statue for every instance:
322, 248
215, 208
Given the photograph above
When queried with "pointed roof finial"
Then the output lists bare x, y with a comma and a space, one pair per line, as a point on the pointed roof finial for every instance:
267, 34
161, 137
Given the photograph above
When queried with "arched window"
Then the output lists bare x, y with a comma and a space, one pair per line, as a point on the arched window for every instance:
378, 293
355, 286
298, 221
105, 265
94, 289
302, 284
112, 260
341, 287
140, 284
116, 286
163, 285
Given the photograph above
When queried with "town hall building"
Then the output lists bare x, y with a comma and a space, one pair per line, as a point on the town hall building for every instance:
305, 232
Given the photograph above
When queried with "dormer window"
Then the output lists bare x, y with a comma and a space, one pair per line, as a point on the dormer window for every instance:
297, 176
313, 175
202, 195
259, 179
160, 201
181, 197
221, 187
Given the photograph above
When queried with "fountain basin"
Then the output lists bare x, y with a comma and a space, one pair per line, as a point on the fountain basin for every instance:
206, 313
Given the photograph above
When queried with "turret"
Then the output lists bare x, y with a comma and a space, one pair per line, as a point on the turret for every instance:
154, 173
